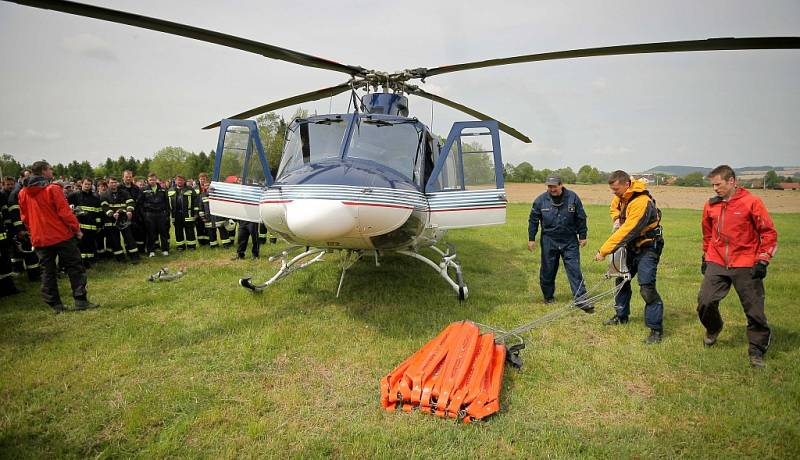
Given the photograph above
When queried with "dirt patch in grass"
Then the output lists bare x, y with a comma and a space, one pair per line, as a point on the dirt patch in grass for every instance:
667, 196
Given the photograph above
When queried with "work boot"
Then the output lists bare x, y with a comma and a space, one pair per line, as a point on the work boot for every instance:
757, 361
165, 253
550, 300
710, 339
615, 321
237, 257
654, 337
84, 305
59, 308
152, 254
587, 307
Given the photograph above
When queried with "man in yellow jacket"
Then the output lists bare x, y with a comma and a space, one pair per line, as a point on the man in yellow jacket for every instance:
637, 228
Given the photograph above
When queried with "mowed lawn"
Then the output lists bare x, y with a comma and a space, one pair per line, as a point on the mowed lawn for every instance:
200, 367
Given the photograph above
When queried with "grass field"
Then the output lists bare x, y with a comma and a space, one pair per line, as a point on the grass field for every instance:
202, 368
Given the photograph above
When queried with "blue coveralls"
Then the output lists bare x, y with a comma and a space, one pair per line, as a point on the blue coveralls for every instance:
563, 224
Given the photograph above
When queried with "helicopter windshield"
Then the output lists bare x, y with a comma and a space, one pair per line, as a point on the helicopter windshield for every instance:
390, 142
308, 141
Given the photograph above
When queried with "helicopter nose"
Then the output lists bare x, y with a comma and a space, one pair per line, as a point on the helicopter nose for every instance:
319, 220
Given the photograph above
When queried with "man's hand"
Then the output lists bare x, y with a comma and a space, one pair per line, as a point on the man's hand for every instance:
760, 270
582, 243
531, 245
130, 215
116, 215
22, 234
616, 224
79, 235
599, 257
703, 266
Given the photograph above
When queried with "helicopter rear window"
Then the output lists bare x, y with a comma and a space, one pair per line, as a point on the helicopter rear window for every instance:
391, 143
311, 141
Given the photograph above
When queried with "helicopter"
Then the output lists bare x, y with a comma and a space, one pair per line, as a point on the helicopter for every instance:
373, 180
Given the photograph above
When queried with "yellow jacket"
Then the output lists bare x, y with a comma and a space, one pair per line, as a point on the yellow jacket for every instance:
639, 219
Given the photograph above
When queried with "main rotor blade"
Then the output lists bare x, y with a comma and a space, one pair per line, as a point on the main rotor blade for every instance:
480, 116
174, 28
711, 44
289, 101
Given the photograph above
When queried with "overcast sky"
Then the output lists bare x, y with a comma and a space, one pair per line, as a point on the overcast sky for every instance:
81, 89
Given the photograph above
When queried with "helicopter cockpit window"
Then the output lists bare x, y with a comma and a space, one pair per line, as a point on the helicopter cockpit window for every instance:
312, 140
393, 143
234, 153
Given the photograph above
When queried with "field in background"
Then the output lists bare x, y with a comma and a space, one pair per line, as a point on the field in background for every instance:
777, 201
202, 368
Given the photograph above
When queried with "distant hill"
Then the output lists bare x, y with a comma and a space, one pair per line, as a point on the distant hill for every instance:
680, 171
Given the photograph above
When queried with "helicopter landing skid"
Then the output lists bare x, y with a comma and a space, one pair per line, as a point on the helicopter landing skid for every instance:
449, 259
298, 262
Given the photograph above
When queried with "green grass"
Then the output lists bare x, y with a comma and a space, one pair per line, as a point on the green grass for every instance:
199, 367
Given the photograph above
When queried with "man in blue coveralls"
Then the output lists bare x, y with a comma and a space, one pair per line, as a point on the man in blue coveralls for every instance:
563, 222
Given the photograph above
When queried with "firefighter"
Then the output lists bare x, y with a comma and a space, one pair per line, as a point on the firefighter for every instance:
154, 206
119, 206
137, 224
212, 224
23, 257
184, 208
101, 239
88, 208
7, 286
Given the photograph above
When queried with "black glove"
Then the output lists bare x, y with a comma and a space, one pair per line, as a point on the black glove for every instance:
703, 266
760, 270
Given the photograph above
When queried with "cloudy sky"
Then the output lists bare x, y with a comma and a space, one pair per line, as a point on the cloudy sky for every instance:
81, 89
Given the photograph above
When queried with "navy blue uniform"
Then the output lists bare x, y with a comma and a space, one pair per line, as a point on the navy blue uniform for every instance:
563, 223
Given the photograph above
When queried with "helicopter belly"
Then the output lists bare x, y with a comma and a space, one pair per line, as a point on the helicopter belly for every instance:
353, 217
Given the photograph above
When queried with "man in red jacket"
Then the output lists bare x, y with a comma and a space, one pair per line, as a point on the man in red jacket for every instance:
54, 231
739, 240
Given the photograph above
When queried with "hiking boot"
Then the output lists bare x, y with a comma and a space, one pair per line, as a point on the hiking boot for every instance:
84, 305
710, 339
654, 337
550, 300
757, 361
615, 321
152, 254
237, 257
165, 253
587, 307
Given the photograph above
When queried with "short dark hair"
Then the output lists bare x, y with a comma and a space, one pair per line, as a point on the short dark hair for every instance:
152, 174
179, 175
725, 172
87, 178
202, 174
38, 167
618, 176
9, 178
111, 178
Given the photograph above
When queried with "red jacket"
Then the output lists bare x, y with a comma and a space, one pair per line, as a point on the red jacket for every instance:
45, 213
738, 232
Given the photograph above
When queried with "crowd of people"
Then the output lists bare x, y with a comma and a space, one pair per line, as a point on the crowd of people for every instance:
105, 218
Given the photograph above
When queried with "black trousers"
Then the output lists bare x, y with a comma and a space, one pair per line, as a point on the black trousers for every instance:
184, 233
247, 230
716, 285
6, 281
114, 244
69, 259
88, 245
157, 230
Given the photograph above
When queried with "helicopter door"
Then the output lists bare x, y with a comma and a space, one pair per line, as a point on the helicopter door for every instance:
240, 172
466, 187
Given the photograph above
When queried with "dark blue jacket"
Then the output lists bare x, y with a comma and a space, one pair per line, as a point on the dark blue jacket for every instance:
559, 222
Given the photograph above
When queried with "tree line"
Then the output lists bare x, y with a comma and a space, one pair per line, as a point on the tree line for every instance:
167, 162
525, 172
